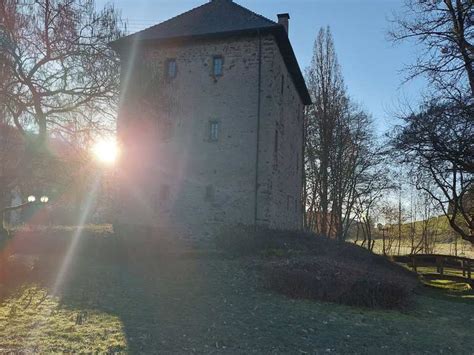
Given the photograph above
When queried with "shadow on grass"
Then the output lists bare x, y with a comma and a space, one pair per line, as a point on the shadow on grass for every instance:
447, 290
174, 302
159, 305
165, 298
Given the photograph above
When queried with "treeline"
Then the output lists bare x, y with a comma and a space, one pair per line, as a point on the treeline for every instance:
59, 79
345, 168
414, 226
350, 173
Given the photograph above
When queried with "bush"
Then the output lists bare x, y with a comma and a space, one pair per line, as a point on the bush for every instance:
308, 266
346, 282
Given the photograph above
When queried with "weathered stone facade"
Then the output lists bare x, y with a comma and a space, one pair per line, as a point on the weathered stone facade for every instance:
176, 173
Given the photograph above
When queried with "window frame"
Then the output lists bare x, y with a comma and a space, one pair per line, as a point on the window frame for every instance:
211, 137
168, 62
214, 60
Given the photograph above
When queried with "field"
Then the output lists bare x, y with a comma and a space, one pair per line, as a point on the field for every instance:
209, 303
464, 249
441, 238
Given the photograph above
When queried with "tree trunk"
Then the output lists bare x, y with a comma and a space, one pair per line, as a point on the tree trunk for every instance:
3, 231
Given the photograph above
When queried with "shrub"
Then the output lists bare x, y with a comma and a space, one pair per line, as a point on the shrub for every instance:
347, 282
308, 266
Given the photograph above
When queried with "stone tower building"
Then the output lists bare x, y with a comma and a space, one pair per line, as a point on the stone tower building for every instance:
211, 122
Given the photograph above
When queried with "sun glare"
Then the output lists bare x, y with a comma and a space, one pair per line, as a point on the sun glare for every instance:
106, 151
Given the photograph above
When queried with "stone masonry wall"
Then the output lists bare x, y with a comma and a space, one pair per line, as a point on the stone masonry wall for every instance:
282, 132
173, 175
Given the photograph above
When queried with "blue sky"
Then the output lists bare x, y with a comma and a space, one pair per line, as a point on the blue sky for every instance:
371, 65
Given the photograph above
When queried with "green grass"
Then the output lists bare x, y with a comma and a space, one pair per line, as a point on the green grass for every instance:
34, 321
430, 277
215, 305
449, 285
443, 235
91, 228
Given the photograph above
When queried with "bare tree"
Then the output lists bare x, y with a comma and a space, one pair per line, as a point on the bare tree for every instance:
326, 87
352, 158
444, 28
438, 146
9, 150
374, 183
339, 149
390, 214
437, 142
59, 78
62, 74
11, 153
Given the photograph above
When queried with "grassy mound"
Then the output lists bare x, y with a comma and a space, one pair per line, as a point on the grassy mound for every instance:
302, 265
346, 282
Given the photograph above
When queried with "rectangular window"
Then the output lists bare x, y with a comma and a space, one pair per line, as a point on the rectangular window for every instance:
171, 68
213, 131
218, 63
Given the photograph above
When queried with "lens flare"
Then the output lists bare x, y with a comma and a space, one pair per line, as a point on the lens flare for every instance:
86, 210
106, 151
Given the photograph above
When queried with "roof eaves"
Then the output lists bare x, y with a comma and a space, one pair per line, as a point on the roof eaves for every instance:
292, 64
128, 40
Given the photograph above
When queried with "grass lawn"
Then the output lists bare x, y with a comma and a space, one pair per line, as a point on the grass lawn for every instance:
215, 305
430, 277
464, 248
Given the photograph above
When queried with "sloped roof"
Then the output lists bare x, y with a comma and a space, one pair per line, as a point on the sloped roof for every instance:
212, 17
220, 18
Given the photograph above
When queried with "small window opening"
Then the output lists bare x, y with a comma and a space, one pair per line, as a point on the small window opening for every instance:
218, 63
171, 68
213, 131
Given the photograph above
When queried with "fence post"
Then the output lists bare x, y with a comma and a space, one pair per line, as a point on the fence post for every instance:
439, 265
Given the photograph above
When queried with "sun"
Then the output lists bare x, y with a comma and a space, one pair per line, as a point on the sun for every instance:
106, 151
